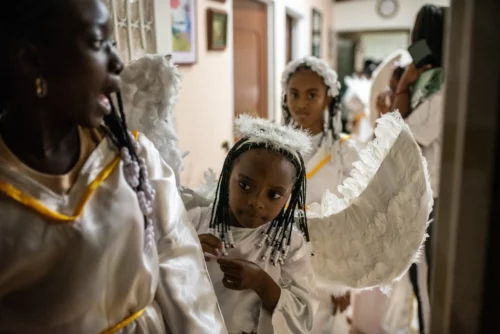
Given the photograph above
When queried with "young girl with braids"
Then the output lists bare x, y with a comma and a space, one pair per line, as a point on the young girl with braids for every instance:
263, 278
93, 237
311, 100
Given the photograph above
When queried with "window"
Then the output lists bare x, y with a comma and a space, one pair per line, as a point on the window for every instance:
134, 27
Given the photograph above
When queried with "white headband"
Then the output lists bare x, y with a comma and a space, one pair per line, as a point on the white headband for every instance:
317, 65
275, 136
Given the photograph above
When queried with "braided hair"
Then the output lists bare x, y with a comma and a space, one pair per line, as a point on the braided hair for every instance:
331, 124
31, 20
278, 235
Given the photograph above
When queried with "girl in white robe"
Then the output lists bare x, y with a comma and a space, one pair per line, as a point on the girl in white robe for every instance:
367, 238
264, 280
311, 99
93, 237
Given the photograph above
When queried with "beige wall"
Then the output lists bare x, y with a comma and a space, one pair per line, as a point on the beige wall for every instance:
204, 112
205, 108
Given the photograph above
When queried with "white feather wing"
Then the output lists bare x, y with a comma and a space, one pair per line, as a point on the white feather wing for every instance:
372, 235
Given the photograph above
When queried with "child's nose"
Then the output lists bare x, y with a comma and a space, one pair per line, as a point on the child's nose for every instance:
257, 200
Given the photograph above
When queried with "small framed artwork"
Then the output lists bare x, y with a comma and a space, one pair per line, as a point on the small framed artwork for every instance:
216, 29
184, 27
316, 32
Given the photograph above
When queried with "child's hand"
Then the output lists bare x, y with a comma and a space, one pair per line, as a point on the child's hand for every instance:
210, 244
246, 275
240, 274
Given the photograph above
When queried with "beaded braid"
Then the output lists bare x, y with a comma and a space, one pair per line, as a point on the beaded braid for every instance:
134, 168
333, 111
278, 235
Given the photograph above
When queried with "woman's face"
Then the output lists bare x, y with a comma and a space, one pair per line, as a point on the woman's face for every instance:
78, 62
307, 99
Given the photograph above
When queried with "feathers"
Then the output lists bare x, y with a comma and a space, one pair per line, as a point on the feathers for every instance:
372, 235
275, 136
150, 87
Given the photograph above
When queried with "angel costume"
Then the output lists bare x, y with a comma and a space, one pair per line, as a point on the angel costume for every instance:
366, 239
242, 310
75, 256
328, 165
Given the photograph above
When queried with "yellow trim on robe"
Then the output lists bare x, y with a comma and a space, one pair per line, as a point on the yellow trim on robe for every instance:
124, 323
323, 162
343, 139
410, 320
320, 165
30, 202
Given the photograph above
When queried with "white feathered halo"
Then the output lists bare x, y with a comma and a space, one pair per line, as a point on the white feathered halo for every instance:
275, 136
150, 88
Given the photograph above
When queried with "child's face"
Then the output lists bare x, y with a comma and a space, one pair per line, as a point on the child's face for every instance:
307, 99
260, 185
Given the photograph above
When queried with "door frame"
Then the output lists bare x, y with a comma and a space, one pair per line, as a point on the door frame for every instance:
295, 29
271, 112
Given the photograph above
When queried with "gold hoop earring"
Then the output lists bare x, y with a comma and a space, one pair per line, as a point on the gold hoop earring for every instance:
41, 87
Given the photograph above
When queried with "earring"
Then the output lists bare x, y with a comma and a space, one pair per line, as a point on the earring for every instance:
41, 87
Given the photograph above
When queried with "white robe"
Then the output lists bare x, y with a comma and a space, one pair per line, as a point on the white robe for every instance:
89, 274
242, 310
343, 153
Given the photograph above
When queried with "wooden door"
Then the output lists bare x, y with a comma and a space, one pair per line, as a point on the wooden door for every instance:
250, 57
289, 39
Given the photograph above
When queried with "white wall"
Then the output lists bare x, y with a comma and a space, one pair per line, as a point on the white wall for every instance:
359, 15
204, 113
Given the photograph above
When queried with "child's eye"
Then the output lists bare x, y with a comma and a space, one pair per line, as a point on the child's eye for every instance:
312, 96
294, 95
275, 195
244, 186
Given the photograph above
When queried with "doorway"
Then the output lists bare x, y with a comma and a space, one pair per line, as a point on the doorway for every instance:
289, 38
250, 58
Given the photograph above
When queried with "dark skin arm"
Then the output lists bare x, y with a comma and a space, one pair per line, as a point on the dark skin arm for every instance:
402, 94
245, 275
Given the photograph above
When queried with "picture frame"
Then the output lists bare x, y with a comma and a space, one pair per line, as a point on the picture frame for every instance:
184, 32
316, 32
217, 23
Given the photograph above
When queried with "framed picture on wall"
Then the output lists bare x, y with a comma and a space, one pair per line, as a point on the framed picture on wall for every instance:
316, 34
184, 39
216, 29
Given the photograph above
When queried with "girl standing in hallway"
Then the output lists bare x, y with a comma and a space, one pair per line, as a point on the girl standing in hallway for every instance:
93, 237
311, 100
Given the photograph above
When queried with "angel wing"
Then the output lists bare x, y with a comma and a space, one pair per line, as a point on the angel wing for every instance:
150, 87
372, 235
203, 195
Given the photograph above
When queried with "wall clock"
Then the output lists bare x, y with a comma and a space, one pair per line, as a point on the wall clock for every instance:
387, 8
